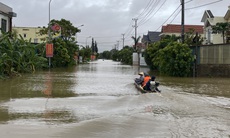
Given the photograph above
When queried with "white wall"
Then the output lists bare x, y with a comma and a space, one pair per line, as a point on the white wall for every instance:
135, 59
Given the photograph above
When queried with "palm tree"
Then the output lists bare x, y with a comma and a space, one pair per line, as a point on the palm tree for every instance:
222, 27
136, 40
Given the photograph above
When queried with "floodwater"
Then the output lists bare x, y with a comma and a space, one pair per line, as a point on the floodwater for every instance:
99, 100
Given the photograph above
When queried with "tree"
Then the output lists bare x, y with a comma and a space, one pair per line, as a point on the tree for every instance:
20, 56
192, 39
105, 55
136, 40
169, 57
85, 52
221, 27
93, 46
65, 47
152, 51
68, 31
125, 55
175, 60
96, 48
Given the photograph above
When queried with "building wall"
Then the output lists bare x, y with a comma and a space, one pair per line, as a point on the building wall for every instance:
213, 70
142, 60
215, 54
7, 22
30, 33
4, 14
213, 60
135, 59
209, 37
217, 39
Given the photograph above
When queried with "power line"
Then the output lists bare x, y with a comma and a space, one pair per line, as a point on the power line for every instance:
154, 5
154, 13
175, 16
129, 30
203, 5
168, 18
145, 9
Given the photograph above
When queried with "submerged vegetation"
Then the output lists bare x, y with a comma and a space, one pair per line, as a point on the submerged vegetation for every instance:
20, 56
124, 55
170, 57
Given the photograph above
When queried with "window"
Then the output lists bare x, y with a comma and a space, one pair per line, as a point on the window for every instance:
24, 35
35, 40
4, 25
25, 29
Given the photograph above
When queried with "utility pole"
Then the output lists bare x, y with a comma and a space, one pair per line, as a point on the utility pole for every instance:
49, 37
138, 54
135, 26
123, 39
117, 45
182, 21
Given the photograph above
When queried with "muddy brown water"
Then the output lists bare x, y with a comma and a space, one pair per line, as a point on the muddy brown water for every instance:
99, 100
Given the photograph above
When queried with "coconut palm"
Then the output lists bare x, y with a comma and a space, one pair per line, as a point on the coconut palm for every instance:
136, 40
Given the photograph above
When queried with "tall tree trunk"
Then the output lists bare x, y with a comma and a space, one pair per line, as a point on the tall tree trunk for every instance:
223, 36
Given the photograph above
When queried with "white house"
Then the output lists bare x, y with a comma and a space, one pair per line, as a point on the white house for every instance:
6, 15
209, 20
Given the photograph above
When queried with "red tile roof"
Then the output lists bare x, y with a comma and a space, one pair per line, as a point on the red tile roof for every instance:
174, 28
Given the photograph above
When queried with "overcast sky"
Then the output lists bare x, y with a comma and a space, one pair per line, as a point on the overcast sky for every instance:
107, 20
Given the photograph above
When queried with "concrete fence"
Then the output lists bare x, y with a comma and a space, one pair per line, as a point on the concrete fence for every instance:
215, 54
212, 60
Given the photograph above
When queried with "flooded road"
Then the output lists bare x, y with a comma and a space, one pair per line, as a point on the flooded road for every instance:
99, 100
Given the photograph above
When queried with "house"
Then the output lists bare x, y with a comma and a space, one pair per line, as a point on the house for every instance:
175, 29
6, 15
151, 37
210, 20
32, 33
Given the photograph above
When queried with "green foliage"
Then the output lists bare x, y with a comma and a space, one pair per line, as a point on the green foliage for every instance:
152, 51
136, 40
191, 39
105, 55
19, 56
125, 55
68, 31
85, 52
169, 57
175, 60
221, 27
115, 54
64, 52
65, 48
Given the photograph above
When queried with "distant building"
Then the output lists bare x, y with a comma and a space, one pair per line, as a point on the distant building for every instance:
6, 15
32, 33
151, 37
210, 20
175, 29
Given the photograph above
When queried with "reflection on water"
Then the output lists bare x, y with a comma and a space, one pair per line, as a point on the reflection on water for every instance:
207, 86
100, 100
48, 86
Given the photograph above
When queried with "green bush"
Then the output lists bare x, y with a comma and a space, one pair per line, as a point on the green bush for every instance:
19, 56
175, 60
